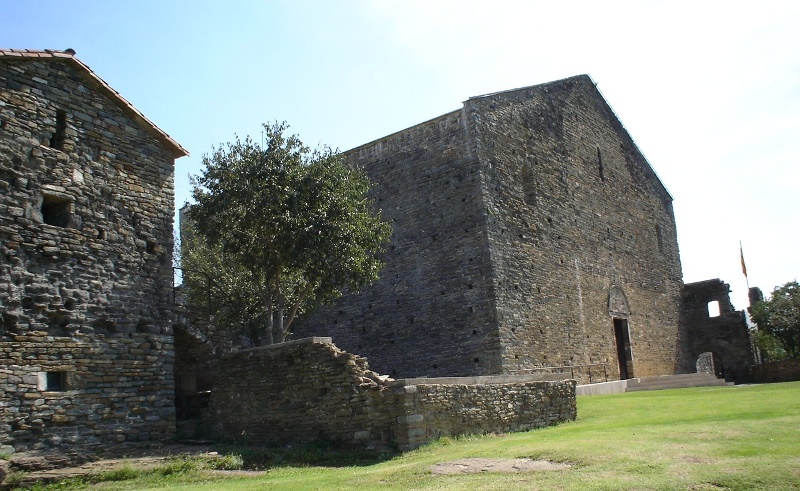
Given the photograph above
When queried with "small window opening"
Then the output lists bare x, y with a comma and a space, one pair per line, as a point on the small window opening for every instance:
55, 381
713, 308
600, 165
660, 240
57, 140
56, 210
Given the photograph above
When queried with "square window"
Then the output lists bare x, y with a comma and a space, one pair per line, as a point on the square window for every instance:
713, 308
53, 381
56, 210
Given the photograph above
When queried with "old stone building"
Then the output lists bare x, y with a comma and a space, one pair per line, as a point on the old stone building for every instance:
529, 232
86, 217
717, 335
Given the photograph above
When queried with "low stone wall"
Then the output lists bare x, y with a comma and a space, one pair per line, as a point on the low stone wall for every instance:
778, 371
309, 389
429, 411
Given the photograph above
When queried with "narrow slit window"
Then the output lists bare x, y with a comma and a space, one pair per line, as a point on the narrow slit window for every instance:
660, 239
600, 165
57, 140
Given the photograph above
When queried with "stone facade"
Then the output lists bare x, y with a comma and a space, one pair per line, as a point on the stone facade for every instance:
308, 390
529, 232
86, 216
720, 343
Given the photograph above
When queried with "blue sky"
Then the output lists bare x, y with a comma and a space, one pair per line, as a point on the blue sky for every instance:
710, 90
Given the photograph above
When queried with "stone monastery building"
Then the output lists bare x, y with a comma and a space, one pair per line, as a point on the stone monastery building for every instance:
529, 233
86, 218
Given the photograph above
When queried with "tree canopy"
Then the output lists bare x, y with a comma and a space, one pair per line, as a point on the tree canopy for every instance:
778, 321
280, 229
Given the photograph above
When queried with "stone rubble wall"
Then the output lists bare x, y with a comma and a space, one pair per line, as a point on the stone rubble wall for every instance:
774, 372
98, 405
726, 336
430, 411
575, 212
89, 297
514, 218
309, 390
432, 312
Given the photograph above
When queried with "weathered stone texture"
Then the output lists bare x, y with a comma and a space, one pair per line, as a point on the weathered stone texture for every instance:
308, 390
776, 371
514, 220
86, 215
726, 336
433, 311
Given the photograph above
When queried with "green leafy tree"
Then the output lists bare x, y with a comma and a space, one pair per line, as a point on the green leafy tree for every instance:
284, 228
214, 281
778, 321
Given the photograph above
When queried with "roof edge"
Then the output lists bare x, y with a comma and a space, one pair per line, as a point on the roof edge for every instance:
69, 57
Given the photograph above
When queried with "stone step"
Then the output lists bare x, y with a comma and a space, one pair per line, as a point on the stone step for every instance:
674, 382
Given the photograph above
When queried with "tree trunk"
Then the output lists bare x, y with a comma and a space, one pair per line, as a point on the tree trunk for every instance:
281, 330
270, 321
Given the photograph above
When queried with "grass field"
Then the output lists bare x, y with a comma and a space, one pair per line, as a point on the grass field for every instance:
709, 438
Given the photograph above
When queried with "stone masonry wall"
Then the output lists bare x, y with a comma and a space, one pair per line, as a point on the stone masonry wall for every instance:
574, 212
776, 371
436, 409
726, 335
432, 313
528, 231
86, 211
308, 390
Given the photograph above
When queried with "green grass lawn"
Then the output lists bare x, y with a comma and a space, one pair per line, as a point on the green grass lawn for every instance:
708, 438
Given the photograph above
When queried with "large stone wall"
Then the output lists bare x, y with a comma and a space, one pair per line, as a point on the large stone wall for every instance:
726, 335
581, 231
528, 230
308, 390
432, 313
86, 215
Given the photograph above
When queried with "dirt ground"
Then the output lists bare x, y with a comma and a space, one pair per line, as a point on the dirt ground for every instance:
475, 465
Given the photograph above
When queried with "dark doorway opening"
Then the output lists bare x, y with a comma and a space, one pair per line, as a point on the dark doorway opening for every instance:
624, 354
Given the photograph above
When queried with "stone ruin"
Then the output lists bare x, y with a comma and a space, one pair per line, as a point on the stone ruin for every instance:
531, 236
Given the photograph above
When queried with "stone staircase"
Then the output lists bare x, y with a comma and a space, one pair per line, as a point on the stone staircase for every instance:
674, 382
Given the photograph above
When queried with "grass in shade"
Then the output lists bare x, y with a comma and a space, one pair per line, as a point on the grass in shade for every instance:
707, 438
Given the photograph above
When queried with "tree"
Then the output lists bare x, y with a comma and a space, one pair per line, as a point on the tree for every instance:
778, 321
286, 228
213, 280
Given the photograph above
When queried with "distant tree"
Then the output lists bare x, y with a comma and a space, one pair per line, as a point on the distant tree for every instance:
778, 320
281, 229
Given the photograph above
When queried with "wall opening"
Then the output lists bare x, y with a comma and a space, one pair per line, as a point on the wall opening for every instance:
624, 352
57, 140
600, 165
56, 210
528, 185
660, 239
53, 381
713, 308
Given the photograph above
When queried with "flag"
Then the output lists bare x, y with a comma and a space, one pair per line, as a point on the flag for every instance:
741, 257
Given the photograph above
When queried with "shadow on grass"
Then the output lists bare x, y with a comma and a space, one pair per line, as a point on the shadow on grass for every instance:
315, 454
